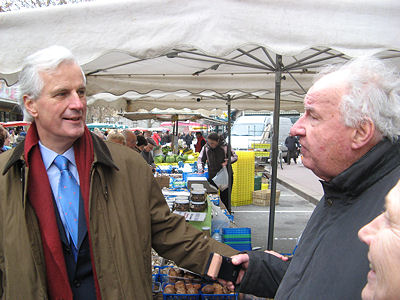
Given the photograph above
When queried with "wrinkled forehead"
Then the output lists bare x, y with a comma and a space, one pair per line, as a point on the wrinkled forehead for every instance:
392, 203
326, 91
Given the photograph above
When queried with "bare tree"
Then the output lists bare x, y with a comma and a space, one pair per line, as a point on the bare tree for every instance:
9, 5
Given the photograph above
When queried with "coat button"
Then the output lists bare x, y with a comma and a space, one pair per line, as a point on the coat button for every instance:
76, 283
329, 201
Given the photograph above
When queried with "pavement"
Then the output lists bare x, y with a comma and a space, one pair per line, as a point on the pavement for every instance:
300, 192
300, 180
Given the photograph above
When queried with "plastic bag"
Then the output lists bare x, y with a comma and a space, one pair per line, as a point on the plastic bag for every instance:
221, 179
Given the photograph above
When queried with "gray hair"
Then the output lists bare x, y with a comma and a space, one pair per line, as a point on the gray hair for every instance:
373, 93
30, 81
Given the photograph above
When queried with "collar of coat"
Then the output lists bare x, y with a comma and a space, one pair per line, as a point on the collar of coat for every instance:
102, 155
373, 166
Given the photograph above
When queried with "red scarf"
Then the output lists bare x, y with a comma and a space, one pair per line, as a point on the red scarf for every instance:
40, 196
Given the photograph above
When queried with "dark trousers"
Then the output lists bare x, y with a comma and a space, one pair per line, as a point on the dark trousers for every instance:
290, 155
224, 195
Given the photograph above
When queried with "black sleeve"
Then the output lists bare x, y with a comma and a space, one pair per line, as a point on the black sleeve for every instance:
264, 274
202, 143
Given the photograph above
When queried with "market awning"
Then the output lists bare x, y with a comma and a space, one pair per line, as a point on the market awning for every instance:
137, 50
172, 115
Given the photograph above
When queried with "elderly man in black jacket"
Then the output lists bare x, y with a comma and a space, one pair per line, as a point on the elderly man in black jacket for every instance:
349, 136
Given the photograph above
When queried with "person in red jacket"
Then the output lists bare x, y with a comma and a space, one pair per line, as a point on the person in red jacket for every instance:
200, 142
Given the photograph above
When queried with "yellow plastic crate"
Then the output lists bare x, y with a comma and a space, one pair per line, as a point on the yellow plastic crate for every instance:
243, 179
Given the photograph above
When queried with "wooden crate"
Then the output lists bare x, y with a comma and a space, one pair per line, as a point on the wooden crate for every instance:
263, 197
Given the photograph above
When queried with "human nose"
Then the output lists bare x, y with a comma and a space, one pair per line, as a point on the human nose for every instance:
367, 233
76, 101
298, 128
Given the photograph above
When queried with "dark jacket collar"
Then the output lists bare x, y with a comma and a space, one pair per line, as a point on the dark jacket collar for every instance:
375, 164
102, 154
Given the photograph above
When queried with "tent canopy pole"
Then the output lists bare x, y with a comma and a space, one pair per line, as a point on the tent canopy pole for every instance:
275, 141
229, 154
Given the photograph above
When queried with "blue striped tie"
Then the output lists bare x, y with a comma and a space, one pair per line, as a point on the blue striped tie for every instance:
68, 197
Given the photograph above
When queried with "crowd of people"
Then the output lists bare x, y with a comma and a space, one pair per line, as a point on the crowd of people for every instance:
97, 244
10, 137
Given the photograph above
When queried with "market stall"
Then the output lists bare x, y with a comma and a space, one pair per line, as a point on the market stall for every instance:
174, 116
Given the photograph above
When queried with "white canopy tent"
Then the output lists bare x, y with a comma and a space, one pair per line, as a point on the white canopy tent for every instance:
253, 54
216, 48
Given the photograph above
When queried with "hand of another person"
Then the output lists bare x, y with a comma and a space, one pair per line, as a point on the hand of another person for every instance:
225, 163
240, 259
278, 255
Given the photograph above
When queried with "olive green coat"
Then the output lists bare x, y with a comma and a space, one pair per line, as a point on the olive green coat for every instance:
128, 216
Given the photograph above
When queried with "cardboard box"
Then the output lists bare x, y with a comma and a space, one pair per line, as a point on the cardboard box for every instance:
163, 181
263, 197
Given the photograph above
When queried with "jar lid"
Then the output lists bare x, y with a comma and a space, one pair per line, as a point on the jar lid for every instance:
198, 192
205, 228
198, 203
181, 201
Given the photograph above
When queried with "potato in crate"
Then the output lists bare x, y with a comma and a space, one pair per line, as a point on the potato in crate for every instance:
217, 292
181, 291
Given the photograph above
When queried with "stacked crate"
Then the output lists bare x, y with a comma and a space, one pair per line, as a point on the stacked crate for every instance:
243, 179
237, 238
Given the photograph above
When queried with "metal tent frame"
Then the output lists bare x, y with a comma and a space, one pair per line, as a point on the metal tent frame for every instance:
254, 64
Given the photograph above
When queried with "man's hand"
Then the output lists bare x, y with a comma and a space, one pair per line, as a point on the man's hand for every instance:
278, 255
243, 260
240, 259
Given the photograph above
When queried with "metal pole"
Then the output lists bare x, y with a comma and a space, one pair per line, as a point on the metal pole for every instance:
275, 141
229, 154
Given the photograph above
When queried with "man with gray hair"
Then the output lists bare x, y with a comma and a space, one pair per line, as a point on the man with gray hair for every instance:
79, 216
348, 134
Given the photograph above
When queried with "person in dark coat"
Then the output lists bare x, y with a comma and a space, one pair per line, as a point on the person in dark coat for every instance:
188, 139
356, 153
292, 144
140, 144
215, 154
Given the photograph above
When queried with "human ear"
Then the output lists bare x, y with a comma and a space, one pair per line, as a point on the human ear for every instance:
30, 106
363, 134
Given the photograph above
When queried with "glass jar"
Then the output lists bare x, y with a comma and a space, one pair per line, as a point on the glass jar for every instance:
198, 196
198, 206
182, 205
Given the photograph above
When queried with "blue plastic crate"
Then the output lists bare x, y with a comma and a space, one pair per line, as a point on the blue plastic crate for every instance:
242, 230
240, 247
160, 276
179, 296
228, 240
219, 296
